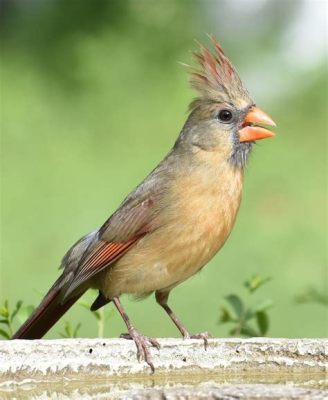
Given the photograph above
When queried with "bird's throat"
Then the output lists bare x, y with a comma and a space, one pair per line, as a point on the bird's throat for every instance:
240, 154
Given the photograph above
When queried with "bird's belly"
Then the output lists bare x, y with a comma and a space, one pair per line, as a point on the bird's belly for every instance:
159, 263
191, 236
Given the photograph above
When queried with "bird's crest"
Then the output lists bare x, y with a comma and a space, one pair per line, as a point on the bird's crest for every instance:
215, 78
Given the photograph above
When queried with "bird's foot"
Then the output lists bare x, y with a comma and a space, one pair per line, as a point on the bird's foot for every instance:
142, 343
204, 336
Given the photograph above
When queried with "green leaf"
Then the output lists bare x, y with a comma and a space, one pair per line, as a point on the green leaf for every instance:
313, 295
236, 304
260, 307
233, 331
262, 322
4, 321
78, 326
263, 305
69, 331
247, 331
249, 314
225, 316
4, 334
4, 312
18, 307
255, 283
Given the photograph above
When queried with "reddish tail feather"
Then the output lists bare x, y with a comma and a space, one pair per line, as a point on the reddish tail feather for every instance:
46, 315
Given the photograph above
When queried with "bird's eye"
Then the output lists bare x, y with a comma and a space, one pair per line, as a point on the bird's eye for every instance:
225, 115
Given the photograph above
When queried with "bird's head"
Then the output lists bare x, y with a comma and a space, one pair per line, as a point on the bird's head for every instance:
223, 117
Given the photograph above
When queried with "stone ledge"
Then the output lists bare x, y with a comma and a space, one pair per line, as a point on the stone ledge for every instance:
107, 368
228, 392
102, 358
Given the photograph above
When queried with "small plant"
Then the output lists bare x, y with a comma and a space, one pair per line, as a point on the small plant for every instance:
312, 295
11, 319
247, 320
100, 315
69, 330
8, 317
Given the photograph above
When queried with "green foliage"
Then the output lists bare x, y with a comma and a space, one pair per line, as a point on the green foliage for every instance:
9, 318
312, 295
93, 94
101, 316
247, 320
255, 282
12, 319
69, 330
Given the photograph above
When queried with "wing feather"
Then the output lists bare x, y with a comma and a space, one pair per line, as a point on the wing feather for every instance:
102, 255
119, 233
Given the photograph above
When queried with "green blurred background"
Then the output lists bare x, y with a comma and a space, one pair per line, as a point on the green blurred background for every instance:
92, 97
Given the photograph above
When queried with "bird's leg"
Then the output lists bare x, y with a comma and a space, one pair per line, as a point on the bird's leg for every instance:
161, 298
141, 342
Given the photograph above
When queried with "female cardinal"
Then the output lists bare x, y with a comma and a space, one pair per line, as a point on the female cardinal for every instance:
177, 219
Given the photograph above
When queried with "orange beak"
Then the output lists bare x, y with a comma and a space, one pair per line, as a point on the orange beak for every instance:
251, 132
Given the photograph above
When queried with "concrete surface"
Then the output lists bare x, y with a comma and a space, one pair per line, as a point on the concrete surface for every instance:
258, 368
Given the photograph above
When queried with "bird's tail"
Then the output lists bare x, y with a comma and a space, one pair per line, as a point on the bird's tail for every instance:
47, 314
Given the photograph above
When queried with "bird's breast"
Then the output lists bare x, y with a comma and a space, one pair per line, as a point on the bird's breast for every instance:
206, 209
195, 220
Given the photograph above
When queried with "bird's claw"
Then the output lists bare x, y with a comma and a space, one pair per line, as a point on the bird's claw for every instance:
203, 335
142, 343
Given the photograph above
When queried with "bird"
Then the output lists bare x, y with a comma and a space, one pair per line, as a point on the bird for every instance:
174, 222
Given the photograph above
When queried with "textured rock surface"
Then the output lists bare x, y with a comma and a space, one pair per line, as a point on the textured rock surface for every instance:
208, 390
107, 368
228, 392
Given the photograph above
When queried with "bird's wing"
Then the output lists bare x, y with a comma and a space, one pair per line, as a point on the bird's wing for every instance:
121, 231
87, 257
